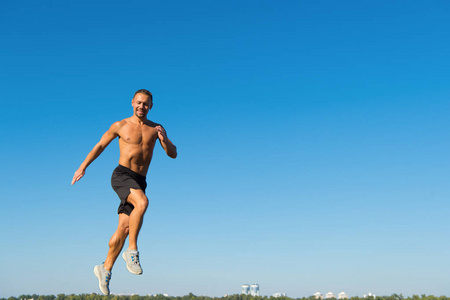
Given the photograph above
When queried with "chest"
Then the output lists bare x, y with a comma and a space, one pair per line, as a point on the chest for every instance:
138, 134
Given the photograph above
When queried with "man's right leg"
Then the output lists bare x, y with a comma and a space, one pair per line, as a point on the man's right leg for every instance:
117, 241
103, 271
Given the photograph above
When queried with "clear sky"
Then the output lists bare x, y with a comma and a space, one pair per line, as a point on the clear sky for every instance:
313, 141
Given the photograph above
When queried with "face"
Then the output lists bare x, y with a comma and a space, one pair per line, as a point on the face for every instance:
141, 105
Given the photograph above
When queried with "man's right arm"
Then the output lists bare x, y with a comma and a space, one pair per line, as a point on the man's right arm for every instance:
107, 137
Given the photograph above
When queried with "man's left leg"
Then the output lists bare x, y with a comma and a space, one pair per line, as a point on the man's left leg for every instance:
131, 255
140, 203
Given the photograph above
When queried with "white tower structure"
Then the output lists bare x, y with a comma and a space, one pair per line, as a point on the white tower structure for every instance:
254, 289
278, 295
245, 289
318, 295
330, 295
342, 295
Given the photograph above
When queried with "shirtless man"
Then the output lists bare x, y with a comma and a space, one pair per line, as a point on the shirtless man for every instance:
137, 138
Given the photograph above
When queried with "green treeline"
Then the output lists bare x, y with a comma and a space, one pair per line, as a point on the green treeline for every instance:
194, 297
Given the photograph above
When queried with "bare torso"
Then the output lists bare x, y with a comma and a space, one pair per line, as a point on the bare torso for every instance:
137, 138
136, 142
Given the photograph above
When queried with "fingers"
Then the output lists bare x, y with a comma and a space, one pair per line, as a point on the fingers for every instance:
161, 132
77, 177
160, 128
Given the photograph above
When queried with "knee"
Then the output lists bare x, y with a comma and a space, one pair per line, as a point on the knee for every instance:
119, 236
142, 204
123, 231
139, 200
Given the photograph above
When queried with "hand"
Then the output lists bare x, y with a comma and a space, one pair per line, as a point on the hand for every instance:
162, 135
77, 176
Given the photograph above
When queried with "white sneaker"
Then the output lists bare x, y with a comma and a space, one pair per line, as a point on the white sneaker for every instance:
131, 257
103, 278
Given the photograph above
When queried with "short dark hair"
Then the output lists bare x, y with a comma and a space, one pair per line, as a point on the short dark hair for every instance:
145, 92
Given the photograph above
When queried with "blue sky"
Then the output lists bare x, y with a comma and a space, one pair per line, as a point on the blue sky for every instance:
312, 135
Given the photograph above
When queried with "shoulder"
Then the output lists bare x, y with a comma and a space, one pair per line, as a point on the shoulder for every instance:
152, 124
116, 126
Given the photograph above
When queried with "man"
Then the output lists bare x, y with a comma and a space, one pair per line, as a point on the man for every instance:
137, 138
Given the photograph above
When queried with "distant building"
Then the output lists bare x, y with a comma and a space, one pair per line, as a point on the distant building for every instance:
369, 296
342, 295
254, 289
277, 295
330, 295
318, 296
245, 289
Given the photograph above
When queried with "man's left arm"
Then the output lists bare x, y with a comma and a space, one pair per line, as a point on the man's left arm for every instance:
167, 144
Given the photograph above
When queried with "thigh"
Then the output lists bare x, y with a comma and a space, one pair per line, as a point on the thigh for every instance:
123, 227
124, 221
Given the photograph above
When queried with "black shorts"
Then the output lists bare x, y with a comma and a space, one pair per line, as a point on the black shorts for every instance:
122, 180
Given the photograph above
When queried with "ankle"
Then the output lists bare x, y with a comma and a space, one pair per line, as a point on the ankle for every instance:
107, 268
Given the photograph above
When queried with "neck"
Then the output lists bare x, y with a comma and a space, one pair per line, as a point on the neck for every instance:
139, 120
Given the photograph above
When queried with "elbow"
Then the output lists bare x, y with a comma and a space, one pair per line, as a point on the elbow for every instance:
98, 149
173, 153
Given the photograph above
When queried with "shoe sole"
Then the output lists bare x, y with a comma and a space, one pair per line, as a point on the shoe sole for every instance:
97, 274
129, 269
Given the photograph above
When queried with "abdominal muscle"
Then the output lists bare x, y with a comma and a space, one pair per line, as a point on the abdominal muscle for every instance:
136, 157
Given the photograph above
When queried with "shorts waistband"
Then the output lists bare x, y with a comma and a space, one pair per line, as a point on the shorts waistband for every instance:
125, 169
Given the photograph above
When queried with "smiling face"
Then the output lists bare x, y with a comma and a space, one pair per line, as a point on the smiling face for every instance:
141, 105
